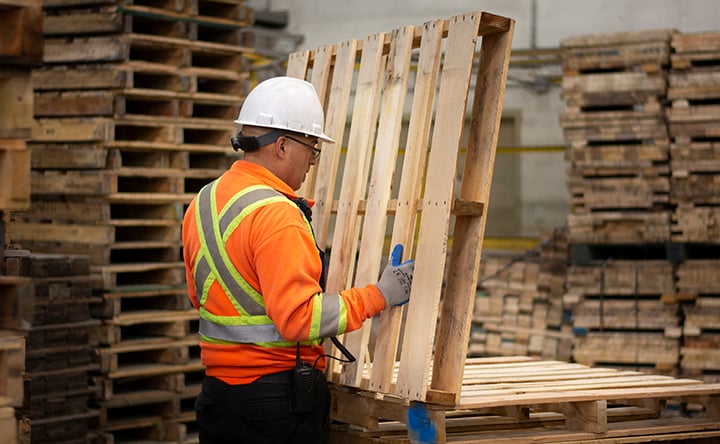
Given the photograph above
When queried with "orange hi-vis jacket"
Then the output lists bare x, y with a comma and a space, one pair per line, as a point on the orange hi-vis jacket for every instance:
258, 281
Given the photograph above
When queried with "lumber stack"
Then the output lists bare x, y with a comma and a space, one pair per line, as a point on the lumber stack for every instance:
60, 347
133, 114
519, 308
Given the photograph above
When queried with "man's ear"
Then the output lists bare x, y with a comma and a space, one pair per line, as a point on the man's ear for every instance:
280, 146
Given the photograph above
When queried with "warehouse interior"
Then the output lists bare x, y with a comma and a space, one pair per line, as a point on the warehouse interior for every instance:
598, 254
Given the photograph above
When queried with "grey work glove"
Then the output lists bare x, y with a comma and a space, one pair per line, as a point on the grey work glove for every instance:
396, 280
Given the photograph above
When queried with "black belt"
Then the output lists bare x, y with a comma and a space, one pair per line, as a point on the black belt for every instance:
277, 378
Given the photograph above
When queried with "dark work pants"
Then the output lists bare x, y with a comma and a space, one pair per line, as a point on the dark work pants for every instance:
261, 412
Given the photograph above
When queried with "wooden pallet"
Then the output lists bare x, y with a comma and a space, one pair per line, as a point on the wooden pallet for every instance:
622, 277
513, 399
21, 43
409, 63
649, 49
696, 51
602, 193
607, 227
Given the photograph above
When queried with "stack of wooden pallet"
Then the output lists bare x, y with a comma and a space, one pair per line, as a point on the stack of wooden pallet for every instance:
21, 50
614, 86
694, 124
519, 309
59, 347
620, 283
134, 109
699, 284
625, 313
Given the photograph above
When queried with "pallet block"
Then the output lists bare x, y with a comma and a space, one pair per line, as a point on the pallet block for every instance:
12, 366
21, 42
409, 189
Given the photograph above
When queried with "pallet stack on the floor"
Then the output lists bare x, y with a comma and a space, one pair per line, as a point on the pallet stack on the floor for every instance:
624, 313
134, 111
21, 50
60, 347
614, 86
620, 287
693, 116
519, 309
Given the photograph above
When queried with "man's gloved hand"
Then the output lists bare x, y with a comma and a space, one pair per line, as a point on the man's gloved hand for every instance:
396, 280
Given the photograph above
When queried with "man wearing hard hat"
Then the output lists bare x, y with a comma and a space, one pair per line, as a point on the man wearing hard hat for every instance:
256, 276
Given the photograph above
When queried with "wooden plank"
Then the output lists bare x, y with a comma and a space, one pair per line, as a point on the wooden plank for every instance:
362, 131
86, 234
364, 118
335, 116
14, 178
321, 69
417, 344
461, 280
8, 423
16, 302
110, 22
389, 323
72, 130
89, 49
394, 93
21, 42
12, 367
16, 103
298, 64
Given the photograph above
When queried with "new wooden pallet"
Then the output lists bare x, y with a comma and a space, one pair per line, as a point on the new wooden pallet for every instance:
503, 396
389, 72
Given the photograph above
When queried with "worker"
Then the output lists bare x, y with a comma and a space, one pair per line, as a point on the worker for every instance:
256, 275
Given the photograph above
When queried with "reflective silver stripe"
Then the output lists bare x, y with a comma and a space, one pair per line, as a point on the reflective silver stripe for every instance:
204, 203
330, 315
240, 333
202, 272
241, 203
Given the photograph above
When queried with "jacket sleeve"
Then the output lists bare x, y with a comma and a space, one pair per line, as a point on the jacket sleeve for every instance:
190, 248
288, 271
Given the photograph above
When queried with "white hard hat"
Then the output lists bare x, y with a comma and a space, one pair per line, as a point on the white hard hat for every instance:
285, 103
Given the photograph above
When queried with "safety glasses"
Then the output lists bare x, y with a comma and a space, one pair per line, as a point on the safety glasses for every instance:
315, 150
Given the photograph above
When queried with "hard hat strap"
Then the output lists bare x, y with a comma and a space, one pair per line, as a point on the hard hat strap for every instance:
250, 143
